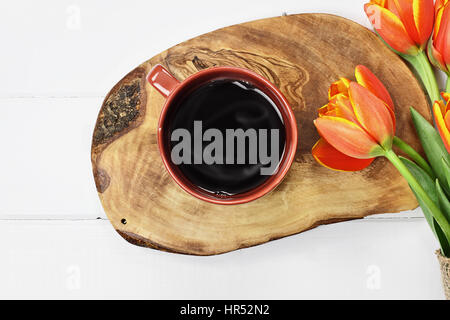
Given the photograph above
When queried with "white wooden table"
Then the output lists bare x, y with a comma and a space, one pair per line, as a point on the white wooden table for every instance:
58, 59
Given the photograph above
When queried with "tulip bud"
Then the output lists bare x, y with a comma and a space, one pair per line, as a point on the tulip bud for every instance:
442, 117
439, 46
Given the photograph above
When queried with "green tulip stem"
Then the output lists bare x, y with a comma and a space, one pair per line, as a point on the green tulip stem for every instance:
414, 155
415, 185
423, 67
447, 85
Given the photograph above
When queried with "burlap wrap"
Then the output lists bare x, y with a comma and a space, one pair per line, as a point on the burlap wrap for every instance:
445, 270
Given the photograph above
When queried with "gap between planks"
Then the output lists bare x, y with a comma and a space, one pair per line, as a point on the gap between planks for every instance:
54, 218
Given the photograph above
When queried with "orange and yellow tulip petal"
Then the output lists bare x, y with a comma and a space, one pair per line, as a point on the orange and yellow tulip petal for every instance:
392, 7
391, 29
323, 110
373, 114
417, 17
423, 12
440, 123
340, 86
440, 28
348, 137
367, 79
330, 157
445, 96
447, 118
381, 3
406, 15
436, 58
339, 106
439, 47
439, 10
439, 4
441, 41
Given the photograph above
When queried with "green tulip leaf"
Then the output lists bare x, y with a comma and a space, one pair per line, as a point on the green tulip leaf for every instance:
433, 146
425, 181
430, 188
444, 204
443, 241
446, 167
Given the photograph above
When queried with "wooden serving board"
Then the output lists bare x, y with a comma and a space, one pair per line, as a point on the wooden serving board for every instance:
301, 54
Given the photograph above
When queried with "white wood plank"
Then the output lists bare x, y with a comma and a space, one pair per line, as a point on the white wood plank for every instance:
58, 59
362, 259
46, 171
84, 47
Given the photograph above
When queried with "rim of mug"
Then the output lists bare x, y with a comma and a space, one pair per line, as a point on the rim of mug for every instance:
284, 164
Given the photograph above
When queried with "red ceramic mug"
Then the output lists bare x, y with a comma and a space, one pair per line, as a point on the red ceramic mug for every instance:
173, 90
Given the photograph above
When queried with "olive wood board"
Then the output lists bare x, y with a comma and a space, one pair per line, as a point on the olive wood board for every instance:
302, 55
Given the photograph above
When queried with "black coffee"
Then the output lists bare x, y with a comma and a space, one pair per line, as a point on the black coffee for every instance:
226, 105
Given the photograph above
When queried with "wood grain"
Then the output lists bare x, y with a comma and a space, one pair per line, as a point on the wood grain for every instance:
302, 55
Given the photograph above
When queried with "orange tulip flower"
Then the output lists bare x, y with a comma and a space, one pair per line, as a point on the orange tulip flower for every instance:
405, 25
442, 116
439, 47
356, 125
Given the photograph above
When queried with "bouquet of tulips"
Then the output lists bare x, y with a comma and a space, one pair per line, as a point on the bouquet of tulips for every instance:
358, 123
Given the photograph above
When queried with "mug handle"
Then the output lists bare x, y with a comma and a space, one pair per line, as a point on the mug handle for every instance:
162, 80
